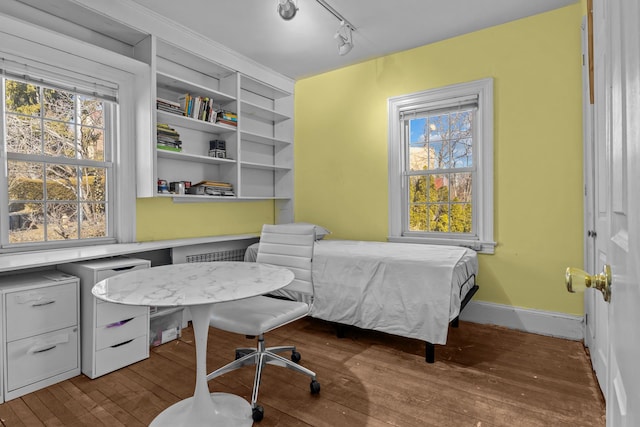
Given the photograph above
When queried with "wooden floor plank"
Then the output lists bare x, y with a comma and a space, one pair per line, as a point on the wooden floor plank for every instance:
485, 376
16, 413
41, 410
78, 402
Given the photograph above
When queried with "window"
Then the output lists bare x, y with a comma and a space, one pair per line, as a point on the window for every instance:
58, 163
66, 132
441, 166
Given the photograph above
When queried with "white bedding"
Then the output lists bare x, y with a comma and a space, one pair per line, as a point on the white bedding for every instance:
405, 289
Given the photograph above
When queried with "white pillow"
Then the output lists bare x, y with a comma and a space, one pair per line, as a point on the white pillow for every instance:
320, 231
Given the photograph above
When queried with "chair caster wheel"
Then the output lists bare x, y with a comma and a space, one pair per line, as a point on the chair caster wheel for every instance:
257, 413
295, 356
315, 387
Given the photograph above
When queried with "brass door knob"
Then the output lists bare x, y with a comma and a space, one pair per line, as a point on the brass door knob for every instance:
578, 280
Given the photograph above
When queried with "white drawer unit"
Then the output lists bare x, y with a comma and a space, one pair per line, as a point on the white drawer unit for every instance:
40, 318
39, 310
114, 357
111, 333
34, 359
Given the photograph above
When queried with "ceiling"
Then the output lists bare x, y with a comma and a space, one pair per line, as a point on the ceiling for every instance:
305, 45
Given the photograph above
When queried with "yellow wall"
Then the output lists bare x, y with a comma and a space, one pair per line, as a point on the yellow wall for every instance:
341, 148
161, 219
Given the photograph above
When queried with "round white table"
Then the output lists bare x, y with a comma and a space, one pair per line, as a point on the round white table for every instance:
198, 286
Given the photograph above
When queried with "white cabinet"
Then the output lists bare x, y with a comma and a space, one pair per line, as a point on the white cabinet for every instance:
258, 160
113, 335
40, 318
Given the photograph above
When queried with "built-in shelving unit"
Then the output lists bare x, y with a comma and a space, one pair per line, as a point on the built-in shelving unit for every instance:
170, 60
258, 160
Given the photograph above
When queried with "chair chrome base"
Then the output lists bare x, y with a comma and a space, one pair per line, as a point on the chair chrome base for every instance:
259, 357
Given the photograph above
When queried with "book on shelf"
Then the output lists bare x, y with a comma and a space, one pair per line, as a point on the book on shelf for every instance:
167, 138
167, 102
198, 107
169, 147
165, 129
227, 122
228, 115
168, 106
211, 188
164, 140
214, 184
185, 102
168, 133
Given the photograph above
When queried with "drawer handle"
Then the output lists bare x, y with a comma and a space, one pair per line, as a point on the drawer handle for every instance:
122, 343
120, 323
49, 343
42, 350
40, 304
123, 268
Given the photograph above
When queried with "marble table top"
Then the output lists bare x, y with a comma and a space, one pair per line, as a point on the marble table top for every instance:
192, 283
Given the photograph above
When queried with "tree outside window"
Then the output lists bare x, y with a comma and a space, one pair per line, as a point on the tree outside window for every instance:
56, 163
440, 172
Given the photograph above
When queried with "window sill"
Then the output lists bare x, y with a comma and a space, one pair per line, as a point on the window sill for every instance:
476, 245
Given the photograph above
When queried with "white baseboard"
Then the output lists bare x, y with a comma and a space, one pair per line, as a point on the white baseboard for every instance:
523, 319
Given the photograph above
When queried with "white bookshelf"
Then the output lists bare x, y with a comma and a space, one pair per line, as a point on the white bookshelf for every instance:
259, 150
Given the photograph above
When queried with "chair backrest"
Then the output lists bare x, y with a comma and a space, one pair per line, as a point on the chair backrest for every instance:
290, 246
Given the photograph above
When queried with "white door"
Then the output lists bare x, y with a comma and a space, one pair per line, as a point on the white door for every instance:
622, 116
597, 191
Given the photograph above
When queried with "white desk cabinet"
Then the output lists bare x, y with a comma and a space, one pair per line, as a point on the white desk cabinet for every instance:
40, 344
113, 335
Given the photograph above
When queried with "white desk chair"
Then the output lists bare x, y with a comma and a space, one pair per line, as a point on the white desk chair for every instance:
285, 245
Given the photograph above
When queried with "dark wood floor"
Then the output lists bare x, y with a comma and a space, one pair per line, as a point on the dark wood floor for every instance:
485, 376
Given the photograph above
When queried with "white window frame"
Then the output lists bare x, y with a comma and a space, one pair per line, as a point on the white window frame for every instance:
482, 239
21, 41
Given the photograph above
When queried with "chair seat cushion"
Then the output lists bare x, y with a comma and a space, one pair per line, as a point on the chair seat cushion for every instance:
256, 315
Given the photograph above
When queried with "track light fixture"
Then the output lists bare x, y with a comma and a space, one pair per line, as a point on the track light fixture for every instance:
344, 33
287, 9
344, 38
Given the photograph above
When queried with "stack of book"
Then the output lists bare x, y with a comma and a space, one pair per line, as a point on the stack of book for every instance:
168, 138
227, 117
168, 106
198, 107
211, 188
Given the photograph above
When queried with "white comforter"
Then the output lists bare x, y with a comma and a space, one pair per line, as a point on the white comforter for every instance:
398, 288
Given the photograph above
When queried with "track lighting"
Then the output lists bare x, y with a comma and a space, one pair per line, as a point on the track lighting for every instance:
344, 38
287, 9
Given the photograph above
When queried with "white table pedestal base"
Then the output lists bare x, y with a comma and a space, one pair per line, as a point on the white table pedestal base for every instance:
205, 408
231, 410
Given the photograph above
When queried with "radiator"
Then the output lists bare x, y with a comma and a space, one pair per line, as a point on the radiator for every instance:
229, 255
215, 251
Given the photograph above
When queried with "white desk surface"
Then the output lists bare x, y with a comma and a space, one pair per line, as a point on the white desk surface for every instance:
35, 259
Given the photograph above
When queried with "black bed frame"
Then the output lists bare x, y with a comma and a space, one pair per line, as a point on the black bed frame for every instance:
430, 350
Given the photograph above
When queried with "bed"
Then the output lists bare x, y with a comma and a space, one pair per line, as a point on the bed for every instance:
405, 289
